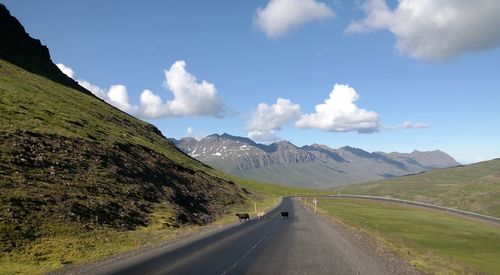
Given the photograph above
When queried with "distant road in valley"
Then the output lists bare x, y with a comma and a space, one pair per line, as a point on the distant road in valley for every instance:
302, 244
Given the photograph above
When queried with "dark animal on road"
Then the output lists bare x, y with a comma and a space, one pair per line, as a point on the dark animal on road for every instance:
243, 216
284, 215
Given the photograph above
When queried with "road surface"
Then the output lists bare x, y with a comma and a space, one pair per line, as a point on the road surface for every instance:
302, 244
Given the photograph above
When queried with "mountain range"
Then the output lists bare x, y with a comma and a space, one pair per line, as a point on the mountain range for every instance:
311, 165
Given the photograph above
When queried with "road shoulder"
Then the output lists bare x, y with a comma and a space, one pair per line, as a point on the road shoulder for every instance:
368, 243
144, 252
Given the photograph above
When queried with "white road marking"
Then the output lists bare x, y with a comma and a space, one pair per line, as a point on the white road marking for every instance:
244, 256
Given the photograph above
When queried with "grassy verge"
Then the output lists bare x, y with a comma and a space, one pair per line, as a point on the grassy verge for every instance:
72, 246
434, 242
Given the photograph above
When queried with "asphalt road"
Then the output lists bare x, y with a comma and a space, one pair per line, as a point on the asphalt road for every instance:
302, 244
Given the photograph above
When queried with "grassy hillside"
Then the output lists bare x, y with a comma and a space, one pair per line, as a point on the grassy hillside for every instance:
473, 187
71, 163
435, 243
79, 179
55, 139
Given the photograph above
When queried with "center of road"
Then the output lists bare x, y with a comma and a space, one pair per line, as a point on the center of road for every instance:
303, 243
245, 255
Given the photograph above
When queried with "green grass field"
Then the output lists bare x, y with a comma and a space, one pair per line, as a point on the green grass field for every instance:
473, 187
434, 242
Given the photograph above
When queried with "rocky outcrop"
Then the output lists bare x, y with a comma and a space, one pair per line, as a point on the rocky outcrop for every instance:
18, 48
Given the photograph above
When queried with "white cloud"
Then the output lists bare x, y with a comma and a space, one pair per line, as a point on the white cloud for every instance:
271, 117
408, 125
118, 96
280, 16
263, 136
189, 131
339, 113
96, 90
66, 70
435, 30
189, 97
152, 106
267, 119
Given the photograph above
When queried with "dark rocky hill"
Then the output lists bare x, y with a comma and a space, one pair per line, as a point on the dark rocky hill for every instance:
18, 48
311, 165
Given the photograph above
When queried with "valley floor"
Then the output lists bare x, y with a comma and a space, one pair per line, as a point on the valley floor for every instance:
432, 241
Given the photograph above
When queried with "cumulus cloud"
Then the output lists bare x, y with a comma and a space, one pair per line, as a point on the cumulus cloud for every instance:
189, 131
66, 70
190, 98
408, 125
267, 119
280, 16
264, 136
435, 30
96, 90
339, 113
118, 95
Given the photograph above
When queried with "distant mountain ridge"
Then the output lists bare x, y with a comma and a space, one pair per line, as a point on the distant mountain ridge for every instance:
311, 165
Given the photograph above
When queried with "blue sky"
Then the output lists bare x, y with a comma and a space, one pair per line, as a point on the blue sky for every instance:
249, 53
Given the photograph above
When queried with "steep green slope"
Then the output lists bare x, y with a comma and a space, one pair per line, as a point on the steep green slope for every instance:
71, 157
80, 179
77, 174
473, 187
